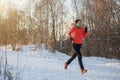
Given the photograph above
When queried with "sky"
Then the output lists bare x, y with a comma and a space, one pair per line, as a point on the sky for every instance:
22, 3
18, 3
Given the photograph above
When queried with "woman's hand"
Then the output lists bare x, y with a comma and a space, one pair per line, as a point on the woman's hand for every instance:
71, 38
86, 29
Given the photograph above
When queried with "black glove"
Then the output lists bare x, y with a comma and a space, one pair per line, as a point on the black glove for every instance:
71, 38
86, 29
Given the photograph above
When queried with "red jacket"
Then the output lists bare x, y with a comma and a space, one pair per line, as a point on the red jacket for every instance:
78, 34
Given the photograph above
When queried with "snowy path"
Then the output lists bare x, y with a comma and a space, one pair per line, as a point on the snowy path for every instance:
44, 65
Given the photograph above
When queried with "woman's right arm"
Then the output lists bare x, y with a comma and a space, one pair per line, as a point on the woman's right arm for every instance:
70, 32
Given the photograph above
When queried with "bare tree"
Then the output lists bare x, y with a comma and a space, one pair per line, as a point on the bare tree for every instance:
77, 8
102, 19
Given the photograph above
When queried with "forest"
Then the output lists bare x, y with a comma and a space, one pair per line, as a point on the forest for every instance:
48, 22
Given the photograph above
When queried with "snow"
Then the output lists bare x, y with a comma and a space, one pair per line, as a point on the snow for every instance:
32, 63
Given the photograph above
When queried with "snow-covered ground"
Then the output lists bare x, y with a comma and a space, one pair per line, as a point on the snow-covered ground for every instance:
40, 64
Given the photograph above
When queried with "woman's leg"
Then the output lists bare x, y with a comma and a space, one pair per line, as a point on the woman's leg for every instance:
77, 48
71, 59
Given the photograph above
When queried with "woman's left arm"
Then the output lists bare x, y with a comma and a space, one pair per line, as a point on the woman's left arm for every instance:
85, 32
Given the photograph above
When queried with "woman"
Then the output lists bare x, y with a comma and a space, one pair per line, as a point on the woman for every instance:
77, 34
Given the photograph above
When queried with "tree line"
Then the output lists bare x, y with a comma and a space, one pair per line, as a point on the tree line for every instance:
46, 24
103, 18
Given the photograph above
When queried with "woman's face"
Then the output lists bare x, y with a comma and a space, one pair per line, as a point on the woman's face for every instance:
78, 23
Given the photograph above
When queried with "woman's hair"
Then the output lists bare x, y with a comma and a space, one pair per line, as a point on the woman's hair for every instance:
77, 20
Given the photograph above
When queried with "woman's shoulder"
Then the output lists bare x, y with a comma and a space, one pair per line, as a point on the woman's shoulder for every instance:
82, 28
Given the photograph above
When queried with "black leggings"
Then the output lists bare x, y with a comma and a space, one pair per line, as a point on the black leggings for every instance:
77, 53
